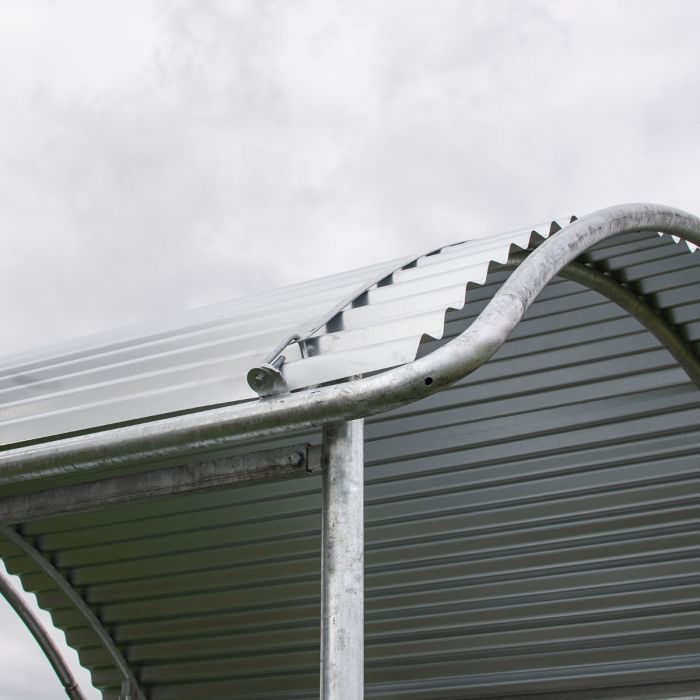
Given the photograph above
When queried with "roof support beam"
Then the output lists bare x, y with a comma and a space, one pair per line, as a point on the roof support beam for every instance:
342, 567
51, 651
174, 438
282, 463
80, 605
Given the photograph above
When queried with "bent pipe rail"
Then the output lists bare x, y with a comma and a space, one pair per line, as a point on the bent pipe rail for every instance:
178, 438
53, 655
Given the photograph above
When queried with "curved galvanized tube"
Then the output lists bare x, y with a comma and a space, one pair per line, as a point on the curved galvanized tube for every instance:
79, 604
26, 614
630, 302
174, 439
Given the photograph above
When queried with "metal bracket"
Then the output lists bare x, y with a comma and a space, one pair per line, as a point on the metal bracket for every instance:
288, 462
267, 379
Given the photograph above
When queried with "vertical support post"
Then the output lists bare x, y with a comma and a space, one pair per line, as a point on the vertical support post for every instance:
342, 561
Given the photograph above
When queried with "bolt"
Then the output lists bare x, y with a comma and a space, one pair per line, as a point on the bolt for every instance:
260, 379
296, 459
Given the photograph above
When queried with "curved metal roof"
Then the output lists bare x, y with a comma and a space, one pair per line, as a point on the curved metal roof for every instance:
531, 529
202, 359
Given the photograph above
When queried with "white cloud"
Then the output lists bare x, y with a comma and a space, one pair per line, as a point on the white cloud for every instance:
161, 155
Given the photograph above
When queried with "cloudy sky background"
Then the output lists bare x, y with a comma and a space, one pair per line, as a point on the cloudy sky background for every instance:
156, 156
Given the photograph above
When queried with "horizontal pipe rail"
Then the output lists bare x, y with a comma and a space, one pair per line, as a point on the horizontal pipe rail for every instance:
284, 463
173, 438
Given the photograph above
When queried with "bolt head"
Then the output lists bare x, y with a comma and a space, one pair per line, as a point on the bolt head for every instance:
296, 459
260, 379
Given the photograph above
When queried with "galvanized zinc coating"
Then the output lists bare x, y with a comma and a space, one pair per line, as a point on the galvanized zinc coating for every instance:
533, 528
195, 362
202, 360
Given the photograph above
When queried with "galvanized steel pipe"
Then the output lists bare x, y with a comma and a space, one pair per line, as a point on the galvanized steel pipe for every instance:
176, 438
342, 557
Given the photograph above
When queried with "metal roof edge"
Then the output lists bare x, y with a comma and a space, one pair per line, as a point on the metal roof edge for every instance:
218, 428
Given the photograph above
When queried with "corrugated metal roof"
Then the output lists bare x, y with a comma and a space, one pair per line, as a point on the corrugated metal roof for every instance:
196, 361
533, 528
201, 360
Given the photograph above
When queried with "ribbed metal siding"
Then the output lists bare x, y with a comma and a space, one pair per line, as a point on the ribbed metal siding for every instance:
534, 528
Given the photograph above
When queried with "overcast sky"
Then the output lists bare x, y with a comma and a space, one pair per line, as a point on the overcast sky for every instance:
156, 156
